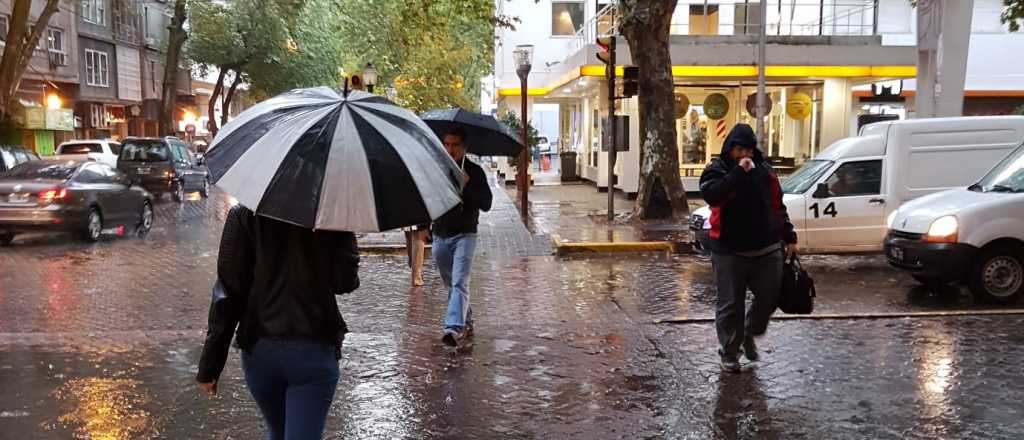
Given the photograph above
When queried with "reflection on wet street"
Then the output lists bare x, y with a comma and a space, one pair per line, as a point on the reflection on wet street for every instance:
99, 341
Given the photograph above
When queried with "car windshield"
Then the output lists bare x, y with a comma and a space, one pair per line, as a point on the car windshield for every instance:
1008, 176
43, 170
84, 148
144, 151
801, 180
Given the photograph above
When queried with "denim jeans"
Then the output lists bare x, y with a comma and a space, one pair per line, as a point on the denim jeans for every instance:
454, 258
293, 383
734, 275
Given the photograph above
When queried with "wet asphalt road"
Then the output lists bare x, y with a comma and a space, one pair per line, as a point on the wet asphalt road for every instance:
100, 341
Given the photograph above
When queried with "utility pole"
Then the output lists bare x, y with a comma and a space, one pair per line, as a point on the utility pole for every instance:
606, 53
762, 40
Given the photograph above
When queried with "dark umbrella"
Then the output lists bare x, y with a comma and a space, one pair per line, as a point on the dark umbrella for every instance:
485, 136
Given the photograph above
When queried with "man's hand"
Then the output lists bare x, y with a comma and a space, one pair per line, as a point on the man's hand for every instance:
208, 387
747, 164
791, 249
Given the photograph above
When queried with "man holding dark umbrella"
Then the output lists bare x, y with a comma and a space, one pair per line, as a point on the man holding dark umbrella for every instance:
455, 239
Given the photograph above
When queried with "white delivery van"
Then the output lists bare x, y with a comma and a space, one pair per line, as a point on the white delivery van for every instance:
973, 235
839, 200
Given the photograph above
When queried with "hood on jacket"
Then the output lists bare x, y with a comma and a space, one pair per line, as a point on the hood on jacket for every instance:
742, 135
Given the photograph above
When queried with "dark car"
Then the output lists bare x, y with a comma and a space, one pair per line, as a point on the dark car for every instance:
86, 197
163, 165
11, 156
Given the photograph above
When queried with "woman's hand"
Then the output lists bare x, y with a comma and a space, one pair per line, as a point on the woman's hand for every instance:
209, 387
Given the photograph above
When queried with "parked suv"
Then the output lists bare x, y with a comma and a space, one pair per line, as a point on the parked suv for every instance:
163, 165
11, 156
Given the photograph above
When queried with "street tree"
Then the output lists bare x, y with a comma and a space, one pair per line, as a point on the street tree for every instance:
646, 25
19, 45
1013, 14
271, 46
175, 40
433, 52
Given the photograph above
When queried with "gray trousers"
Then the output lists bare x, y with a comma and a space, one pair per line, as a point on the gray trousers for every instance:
733, 275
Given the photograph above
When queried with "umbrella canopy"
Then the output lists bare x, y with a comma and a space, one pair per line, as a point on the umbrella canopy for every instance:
317, 159
485, 136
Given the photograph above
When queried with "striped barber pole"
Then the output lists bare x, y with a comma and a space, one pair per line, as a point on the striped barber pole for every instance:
720, 128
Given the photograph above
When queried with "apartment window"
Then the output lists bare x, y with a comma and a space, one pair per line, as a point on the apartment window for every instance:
93, 11
152, 75
3, 30
566, 18
704, 19
55, 47
96, 68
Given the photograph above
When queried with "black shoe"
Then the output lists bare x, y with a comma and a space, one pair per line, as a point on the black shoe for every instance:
750, 349
452, 337
730, 363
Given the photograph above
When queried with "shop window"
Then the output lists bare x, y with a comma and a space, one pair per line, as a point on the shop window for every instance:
96, 68
704, 19
747, 17
566, 18
856, 179
3, 30
94, 11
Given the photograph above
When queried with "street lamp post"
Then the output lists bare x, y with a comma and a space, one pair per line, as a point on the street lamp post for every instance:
369, 77
524, 62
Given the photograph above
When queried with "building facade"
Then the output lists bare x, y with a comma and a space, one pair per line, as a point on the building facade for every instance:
823, 58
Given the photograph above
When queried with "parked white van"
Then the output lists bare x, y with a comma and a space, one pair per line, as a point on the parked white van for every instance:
973, 235
839, 200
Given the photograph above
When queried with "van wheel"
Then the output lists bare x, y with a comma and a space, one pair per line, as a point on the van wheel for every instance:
6, 239
205, 191
94, 226
998, 276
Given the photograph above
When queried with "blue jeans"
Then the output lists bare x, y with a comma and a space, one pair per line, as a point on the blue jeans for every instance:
293, 383
454, 258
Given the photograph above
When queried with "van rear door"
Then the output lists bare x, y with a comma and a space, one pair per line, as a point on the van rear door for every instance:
850, 217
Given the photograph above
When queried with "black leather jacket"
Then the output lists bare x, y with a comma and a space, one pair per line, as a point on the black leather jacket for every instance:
279, 281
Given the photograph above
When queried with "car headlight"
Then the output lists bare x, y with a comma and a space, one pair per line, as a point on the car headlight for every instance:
890, 219
943, 230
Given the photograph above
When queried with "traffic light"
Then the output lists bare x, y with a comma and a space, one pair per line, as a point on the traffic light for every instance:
630, 81
606, 49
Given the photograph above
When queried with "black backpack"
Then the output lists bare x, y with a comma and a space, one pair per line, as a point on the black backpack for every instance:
797, 294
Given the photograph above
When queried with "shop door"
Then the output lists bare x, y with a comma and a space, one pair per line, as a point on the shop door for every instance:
852, 217
44, 142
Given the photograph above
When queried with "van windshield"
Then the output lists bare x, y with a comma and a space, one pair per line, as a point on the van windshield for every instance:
1008, 176
800, 181
144, 151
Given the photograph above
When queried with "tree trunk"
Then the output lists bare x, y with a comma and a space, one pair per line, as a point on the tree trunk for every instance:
646, 24
225, 107
175, 41
21, 40
212, 105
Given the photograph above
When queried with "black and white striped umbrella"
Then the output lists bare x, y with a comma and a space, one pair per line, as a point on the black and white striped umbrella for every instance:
317, 159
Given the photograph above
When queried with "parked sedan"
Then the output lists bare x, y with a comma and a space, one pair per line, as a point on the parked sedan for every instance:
86, 197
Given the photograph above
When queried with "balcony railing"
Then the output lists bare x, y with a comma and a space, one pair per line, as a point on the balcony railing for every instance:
742, 17
126, 23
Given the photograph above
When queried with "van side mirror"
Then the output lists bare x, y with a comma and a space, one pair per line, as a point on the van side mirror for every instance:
821, 192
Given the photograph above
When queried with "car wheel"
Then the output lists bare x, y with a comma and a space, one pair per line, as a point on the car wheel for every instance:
179, 192
6, 239
205, 192
998, 276
145, 221
94, 226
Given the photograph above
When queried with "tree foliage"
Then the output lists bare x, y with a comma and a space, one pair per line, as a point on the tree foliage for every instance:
1013, 14
272, 45
433, 52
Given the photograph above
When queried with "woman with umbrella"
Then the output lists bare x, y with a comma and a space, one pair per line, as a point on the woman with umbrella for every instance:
308, 169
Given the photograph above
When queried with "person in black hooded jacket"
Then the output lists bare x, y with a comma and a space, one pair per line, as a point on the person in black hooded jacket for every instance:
750, 231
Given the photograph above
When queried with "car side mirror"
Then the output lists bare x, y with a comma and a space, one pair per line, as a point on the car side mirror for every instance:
821, 192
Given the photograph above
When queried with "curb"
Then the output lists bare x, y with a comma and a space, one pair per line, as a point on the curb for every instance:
862, 316
580, 247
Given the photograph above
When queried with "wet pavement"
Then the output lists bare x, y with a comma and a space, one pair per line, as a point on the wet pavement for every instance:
100, 341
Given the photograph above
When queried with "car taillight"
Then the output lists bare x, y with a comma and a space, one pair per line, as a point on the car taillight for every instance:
51, 195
